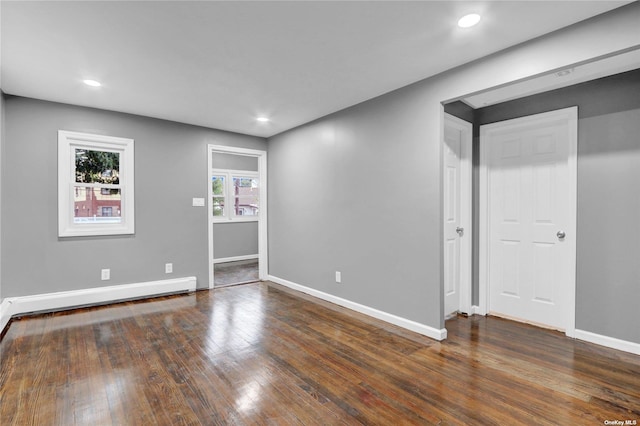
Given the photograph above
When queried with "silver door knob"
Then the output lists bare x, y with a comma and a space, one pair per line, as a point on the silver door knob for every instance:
459, 230
561, 234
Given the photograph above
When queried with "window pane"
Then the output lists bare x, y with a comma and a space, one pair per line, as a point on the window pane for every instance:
218, 206
97, 166
246, 206
217, 185
97, 205
245, 182
245, 197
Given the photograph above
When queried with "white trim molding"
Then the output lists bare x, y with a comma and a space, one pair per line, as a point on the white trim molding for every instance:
12, 306
609, 342
434, 333
236, 258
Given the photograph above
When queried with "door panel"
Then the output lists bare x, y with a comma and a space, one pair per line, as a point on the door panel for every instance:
451, 272
544, 279
456, 214
529, 198
452, 150
509, 275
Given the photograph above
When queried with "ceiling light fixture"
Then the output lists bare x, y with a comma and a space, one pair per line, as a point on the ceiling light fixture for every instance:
92, 83
263, 119
564, 73
468, 21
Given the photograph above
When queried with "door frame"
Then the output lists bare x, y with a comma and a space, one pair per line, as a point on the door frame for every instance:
263, 259
571, 115
466, 216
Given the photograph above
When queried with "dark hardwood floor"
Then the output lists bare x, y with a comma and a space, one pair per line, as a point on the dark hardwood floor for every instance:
233, 273
262, 354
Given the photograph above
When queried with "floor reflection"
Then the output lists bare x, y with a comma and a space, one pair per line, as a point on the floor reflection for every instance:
262, 354
236, 324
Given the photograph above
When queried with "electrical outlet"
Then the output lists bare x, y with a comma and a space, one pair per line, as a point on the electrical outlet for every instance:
105, 274
168, 268
338, 277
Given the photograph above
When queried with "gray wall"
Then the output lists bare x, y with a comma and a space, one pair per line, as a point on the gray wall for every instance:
365, 217
235, 239
608, 241
234, 162
608, 225
170, 169
239, 238
359, 192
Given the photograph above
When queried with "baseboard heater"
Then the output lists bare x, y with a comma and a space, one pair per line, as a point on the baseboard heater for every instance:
64, 300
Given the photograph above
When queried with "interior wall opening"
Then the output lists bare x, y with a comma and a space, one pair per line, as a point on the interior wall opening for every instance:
236, 200
606, 98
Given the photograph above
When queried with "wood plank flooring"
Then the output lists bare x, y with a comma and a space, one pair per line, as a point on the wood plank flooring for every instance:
232, 273
261, 354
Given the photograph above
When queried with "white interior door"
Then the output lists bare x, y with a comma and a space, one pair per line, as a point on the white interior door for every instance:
530, 201
457, 215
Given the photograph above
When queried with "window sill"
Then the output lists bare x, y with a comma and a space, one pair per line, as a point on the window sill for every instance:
235, 219
95, 231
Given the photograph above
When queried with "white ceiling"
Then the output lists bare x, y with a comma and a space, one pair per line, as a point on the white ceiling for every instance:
222, 64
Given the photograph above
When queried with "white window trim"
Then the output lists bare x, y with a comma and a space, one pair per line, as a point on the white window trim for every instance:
67, 143
229, 174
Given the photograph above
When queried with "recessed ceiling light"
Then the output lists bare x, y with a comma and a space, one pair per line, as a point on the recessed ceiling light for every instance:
468, 21
92, 83
564, 73
263, 119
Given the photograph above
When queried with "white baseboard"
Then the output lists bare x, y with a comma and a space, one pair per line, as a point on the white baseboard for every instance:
473, 310
434, 333
12, 306
609, 342
5, 313
235, 258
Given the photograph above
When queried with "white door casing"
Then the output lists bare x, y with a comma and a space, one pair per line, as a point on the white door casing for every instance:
457, 144
528, 187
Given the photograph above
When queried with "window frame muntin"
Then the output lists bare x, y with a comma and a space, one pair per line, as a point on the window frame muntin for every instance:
229, 174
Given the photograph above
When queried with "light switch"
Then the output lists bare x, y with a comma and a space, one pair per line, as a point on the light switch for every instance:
198, 202
105, 274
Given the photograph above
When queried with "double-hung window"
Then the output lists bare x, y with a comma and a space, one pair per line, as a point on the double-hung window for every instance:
219, 191
95, 185
234, 195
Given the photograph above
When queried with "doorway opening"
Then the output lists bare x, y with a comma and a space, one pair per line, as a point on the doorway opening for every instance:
495, 105
523, 231
236, 216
